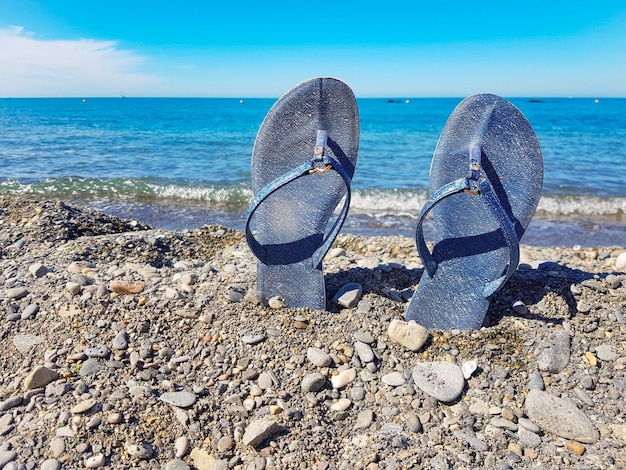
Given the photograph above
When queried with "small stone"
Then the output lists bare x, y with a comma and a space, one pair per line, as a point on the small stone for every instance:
38, 270
276, 303
313, 382
180, 399
120, 342
606, 352
441, 380
126, 287
343, 378
50, 464
178, 464
394, 379
560, 416
202, 460
520, 307
30, 311
576, 447
535, 381
99, 350
84, 406
556, 356
341, 405
17, 293
73, 288
225, 444
408, 334
468, 368
95, 461
364, 419
181, 446
364, 337
140, 451
593, 361
40, 377
318, 358
260, 430
253, 339
364, 351
349, 295
620, 263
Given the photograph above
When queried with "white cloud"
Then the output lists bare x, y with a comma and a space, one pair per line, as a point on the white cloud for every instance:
32, 67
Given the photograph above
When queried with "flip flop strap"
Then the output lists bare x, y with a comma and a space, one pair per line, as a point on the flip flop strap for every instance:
307, 168
480, 187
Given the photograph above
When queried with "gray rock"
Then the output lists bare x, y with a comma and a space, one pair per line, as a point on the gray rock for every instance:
349, 295
30, 311
606, 352
40, 377
473, 441
24, 342
50, 464
313, 382
141, 451
98, 350
394, 379
38, 270
364, 351
555, 357
10, 403
6, 456
90, 367
17, 293
408, 334
560, 416
528, 438
120, 342
318, 357
180, 399
364, 419
176, 464
260, 430
253, 339
535, 381
441, 380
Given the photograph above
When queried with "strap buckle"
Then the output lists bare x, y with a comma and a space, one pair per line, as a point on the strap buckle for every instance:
318, 152
475, 155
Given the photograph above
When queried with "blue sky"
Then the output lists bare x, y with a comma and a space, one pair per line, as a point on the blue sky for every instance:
261, 49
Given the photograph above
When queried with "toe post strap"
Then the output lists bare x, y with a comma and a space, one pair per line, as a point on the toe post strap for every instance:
320, 163
475, 183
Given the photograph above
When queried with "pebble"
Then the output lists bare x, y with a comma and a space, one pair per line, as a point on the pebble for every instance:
318, 357
441, 380
520, 307
50, 464
276, 303
313, 382
181, 446
30, 311
253, 339
180, 399
349, 295
343, 378
341, 405
24, 342
120, 342
555, 356
560, 416
364, 351
38, 270
468, 368
96, 351
260, 430
364, 419
364, 337
177, 464
408, 334
620, 263
393, 379
535, 381
84, 406
40, 377
6, 456
141, 451
95, 461
126, 287
17, 293
606, 352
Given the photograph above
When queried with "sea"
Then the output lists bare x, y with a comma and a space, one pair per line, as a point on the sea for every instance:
182, 163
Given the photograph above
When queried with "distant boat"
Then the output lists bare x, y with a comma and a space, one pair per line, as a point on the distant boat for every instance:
122, 95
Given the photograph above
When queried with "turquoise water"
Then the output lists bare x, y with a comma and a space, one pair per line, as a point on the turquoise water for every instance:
180, 163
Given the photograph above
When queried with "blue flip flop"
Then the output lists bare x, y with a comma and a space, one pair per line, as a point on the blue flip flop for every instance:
485, 181
302, 166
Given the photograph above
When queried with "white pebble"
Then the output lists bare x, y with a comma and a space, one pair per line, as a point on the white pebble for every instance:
343, 378
95, 461
341, 405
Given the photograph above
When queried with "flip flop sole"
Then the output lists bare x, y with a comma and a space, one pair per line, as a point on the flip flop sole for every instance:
470, 248
291, 223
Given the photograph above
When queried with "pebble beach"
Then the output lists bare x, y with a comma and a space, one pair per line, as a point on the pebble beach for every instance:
125, 346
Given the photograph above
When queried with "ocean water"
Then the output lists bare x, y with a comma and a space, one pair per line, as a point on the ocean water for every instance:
181, 163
